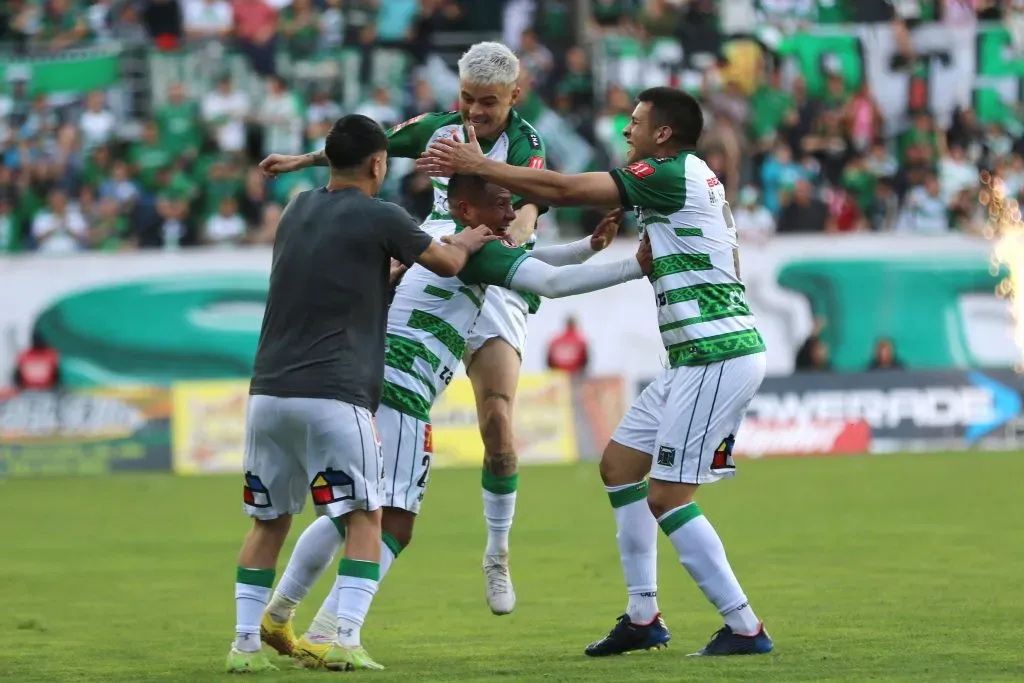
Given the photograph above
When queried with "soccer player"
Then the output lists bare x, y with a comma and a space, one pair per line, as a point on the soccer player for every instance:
488, 74
427, 327
680, 431
317, 381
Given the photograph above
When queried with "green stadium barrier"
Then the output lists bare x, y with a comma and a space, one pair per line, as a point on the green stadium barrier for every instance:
76, 71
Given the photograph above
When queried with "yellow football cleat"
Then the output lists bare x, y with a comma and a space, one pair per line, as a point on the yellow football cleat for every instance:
279, 636
339, 658
311, 653
248, 662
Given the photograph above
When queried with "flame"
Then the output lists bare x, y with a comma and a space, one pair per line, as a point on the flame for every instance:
1005, 227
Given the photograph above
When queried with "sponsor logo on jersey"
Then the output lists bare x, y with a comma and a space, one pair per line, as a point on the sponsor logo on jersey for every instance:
713, 181
508, 242
666, 456
536, 162
254, 493
406, 123
640, 169
332, 486
428, 439
532, 138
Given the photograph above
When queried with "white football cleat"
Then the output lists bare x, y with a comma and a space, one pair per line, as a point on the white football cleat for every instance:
501, 597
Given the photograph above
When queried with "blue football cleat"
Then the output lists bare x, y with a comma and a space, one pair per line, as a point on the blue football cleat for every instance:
627, 636
725, 642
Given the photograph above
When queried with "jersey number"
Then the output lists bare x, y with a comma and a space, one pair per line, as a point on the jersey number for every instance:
422, 481
447, 375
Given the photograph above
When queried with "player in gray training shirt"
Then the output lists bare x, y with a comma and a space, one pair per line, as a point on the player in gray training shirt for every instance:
317, 381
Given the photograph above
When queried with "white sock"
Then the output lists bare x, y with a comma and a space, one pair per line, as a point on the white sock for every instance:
499, 495
252, 591
702, 553
313, 553
637, 534
325, 623
356, 585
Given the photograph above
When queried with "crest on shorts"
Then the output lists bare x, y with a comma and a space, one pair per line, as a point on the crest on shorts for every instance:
666, 456
254, 493
428, 439
723, 455
332, 486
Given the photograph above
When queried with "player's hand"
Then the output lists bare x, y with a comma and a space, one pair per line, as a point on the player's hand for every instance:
447, 156
644, 255
606, 230
471, 239
397, 270
276, 164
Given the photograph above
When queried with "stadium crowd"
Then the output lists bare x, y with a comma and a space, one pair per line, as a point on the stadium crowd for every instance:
74, 175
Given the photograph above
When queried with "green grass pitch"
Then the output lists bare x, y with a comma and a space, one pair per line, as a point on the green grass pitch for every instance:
899, 568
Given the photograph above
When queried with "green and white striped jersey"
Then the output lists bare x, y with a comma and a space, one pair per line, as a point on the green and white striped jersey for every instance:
703, 312
519, 145
429, 320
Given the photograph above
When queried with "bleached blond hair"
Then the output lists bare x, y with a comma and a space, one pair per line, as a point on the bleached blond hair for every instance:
489, 64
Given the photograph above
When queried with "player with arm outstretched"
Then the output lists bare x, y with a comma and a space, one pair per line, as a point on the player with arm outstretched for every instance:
680, 431
428, 324
488, 74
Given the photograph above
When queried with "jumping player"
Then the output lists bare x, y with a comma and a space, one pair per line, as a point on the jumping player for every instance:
488, 75
680, 431
427, 327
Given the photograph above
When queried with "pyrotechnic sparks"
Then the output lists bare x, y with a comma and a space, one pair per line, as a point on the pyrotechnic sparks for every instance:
1006, 230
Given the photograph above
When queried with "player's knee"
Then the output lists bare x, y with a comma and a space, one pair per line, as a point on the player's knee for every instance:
663, 497
398, 524
496, 425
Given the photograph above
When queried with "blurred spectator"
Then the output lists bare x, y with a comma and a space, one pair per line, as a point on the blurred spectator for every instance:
380, 108
754, 223
803, 212
925, 211
62, 26
844, 213
37, 368
254, 198
300, 27
779, 176
149, 156
110, 228
60, 228
10, 234
609, 15
225, 110
883, 211
97, 123
395, 21
535, 58
164, 23
267, 229
660, 18
361, 32
281, 116
610, 124
178, 124
255, 24
568, 352
956, 173
863, 119
423, 100
332, 25
208, 19
884, 356
813, 355
226, 227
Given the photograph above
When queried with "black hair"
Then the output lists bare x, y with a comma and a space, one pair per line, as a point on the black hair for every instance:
352, 140
465, 186
678, 110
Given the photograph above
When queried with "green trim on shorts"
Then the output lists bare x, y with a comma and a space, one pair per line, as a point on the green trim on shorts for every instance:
675, 520
264, 578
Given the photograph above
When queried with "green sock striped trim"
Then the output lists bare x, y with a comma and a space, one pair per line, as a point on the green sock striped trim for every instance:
360, 569
392, 543
499, 485
674, 520
631, 494
255, 577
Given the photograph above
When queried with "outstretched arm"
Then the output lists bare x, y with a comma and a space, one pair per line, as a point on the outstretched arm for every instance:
580, 250
446, 156
553, 282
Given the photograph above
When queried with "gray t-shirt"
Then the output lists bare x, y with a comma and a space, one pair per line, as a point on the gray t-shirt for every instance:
326, 317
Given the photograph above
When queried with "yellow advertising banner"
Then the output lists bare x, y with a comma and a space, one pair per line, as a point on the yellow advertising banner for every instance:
208, 435
543, 422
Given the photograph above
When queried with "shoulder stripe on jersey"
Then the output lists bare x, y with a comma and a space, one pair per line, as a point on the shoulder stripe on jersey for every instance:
438, 292
442, 331
514, 268
404, 351
679, 263
471, 295
714, 349
405, 401
714, 302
